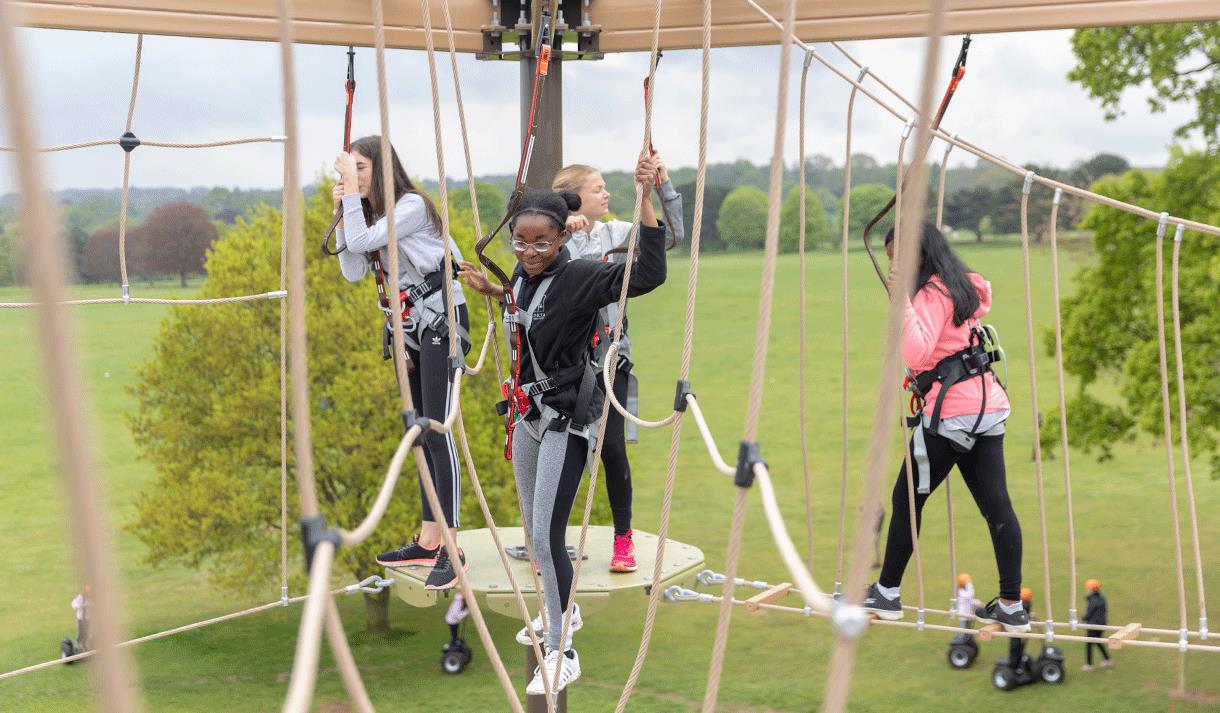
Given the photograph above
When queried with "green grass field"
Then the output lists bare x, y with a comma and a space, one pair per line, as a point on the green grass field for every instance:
775, 662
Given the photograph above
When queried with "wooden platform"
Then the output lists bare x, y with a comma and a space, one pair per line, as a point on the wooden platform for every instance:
597, 583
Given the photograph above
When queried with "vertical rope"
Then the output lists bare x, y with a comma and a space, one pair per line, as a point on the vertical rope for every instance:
1033, 399
843, 655
1168, 440
851, 104
940, 189
754, 405
113, 678
283, 310
131, 110
803, 310
1063, 426
1182, 431
688, 339
940, 225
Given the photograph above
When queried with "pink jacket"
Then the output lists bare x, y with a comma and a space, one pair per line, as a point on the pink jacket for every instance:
929, 335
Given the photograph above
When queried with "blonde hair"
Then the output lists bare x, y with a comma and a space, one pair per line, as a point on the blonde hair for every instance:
572, 177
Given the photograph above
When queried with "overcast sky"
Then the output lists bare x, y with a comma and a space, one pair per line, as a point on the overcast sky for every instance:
1016, 101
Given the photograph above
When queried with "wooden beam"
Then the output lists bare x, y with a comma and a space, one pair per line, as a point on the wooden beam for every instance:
988, 631
626, 25
1127, 633
769, 596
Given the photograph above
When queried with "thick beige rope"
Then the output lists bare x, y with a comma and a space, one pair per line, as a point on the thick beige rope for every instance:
283, 310
866, 72
940, 213
156, 144
1063, 427
763, 331
131, 110
113, 677
1167, 425
899, 184
843, 655
688, 340
851, 104
1190, 485
940, 188
150, 301
802, 408
1033, 400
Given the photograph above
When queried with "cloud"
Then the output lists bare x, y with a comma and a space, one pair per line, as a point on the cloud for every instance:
1015, 101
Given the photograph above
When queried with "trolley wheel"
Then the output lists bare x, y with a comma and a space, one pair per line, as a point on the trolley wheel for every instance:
961, 656
1004, 678
453, 662
67, 649
1051, 671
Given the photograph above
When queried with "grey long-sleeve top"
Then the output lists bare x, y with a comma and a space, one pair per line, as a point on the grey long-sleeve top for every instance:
421, 249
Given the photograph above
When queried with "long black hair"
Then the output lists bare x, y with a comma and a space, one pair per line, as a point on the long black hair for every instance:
937, 258
374, 205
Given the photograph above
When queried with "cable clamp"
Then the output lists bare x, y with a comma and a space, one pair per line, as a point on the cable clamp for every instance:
906, 129
456, 364
1072, 620
919, 620
412, 418
1203, 628
863, 73
1182, 640
708, 578
1050, 631
369, 585
283, 596
126, 294
1160, 226
129, 142
279, 139
1058, 196
314, 532
1029, 182
681, 391
1177, 234
808, 57
748, 456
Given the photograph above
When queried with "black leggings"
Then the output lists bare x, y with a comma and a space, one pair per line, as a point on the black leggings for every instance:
982, 469
430, 382
1088, 647
614, 459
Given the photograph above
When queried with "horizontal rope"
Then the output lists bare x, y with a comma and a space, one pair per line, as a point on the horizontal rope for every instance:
609, 360
708, 439
157, 144
276, 295
279, 603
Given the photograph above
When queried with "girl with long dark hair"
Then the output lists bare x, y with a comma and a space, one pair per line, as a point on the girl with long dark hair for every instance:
557, 300
962, 424
363, 240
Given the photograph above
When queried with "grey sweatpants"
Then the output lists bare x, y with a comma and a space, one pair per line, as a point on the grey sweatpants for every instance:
548, 475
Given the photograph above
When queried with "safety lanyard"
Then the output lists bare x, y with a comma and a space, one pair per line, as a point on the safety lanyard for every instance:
350, 87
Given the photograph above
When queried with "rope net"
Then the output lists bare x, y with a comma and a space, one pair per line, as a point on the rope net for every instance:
116, 688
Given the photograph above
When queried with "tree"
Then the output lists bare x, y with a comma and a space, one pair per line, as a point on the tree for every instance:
101, 256
491, 200
1181, 63
177, 237
742, 219
817, 227
1110, 322
1086, 173
207, 418
8, 257
713, 197
866, 201
966, 209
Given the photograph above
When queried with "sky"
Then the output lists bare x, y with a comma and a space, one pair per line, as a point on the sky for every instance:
1016, 102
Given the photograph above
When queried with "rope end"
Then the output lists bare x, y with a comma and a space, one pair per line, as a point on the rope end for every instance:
1029, 182
1177, 234
126, 294
283, 596
1058, 196
1161, 224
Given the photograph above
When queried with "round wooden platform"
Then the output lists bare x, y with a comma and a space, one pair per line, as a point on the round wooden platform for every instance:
597, 583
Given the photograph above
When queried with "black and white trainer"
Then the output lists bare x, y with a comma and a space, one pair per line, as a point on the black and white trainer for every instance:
408, 555
993, 613
877, 603
443, 574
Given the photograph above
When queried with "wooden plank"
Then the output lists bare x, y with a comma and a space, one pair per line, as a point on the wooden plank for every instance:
626, 26
1127, 633
988, 632
769, 596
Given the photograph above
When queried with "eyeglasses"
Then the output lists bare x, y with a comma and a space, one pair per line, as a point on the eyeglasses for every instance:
539, 247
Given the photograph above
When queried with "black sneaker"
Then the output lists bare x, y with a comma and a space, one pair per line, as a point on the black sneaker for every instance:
993, 613
876, 603
443, 575
412, 554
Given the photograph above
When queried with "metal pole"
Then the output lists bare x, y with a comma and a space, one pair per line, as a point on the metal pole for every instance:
537, 704
547, 158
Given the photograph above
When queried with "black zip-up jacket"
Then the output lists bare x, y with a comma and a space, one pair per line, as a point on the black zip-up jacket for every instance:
1095, 609
564, 323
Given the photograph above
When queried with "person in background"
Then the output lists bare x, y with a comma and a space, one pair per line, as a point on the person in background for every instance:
1095, 613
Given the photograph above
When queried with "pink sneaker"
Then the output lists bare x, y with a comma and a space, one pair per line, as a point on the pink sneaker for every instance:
624, 554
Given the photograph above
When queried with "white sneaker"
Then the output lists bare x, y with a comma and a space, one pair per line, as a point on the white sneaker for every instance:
570, 672
523, 636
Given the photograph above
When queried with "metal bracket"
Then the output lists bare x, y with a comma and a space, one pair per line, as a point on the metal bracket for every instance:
1161, 224
1177, 234
1029, 182
313, 532
681, 391
748, 456
129, 142
412, 418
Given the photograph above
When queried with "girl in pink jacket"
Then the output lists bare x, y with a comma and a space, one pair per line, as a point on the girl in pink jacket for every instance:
961, 424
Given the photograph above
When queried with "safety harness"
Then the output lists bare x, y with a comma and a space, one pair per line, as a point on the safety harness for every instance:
521, 398
416, 316
974, 361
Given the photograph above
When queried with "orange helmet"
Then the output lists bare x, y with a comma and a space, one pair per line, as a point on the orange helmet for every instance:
963, 579
1027, 594
1092, 585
